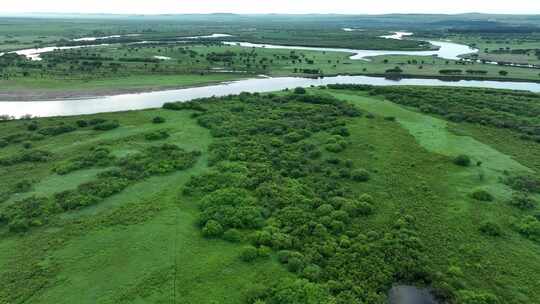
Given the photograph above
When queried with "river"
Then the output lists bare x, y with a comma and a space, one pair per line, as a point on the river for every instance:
156, 99
147, 100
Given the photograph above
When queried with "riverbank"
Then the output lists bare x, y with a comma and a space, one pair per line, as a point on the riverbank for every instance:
32, 95
58, 90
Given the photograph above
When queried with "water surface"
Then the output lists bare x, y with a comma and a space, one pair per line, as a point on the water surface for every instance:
157, 99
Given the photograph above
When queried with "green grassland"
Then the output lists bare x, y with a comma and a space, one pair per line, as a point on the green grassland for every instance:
515, 48
117, 68
403, 208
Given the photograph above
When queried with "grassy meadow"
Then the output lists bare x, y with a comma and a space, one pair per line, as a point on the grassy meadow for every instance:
326, 196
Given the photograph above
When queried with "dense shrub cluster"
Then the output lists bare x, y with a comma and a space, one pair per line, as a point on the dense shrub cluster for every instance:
154, 160
269, 185
31, 156
97, 157
107, 125
526, 183
21, 186
56, 130
157, 135
29, 212
482, 195
529, 226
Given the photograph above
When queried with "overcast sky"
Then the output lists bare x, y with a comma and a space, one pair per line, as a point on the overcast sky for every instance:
271, 6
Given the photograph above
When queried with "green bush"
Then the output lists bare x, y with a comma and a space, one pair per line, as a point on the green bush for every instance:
106, 126
22, 186
482, 195
57, 130
522, 201
212, 229
491, 229
158, 120
29, 212
3, 143
157, 135
529, 226
232, 235
526, 183
462, 160
74, 199
96, 121
249, 254
82, 123
360, 175
264, 252
471, 297
299, 90
32, 156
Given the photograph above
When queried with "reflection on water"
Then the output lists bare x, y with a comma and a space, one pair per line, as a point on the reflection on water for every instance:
403, 294
447, 50
156, 99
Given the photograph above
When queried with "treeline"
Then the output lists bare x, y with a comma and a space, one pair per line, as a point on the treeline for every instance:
515, 110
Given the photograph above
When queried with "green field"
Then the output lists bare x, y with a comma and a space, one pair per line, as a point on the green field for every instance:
125, 65
119, 69
338, 194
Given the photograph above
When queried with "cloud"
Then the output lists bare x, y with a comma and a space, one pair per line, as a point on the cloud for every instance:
273, 6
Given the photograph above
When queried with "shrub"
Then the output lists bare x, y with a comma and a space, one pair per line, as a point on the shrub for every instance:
29, 212
335, 148
212, 229
522, 201
82, 123
491, 229
249, 254
106, 126
73, 199
263, 251
158, 120
3, 143
482, 195
33, 126
462, 160
157, 135
232, 235
364, 208
471, 297
312, 273
295, 264
503, 73
53, 131
22, 186
299, 90
526, 183
96, 121
360, 175
27, 145
529, 226
32, 156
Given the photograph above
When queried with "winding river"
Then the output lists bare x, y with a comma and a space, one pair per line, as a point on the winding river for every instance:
156, 99
125, 102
